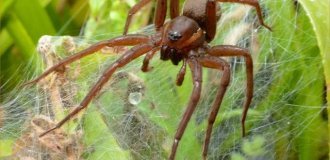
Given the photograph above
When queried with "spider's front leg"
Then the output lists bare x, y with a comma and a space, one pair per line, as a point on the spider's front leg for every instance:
130, 55
174, 8
196, 71
160, 14
230, 51
127, 40
132, 11
220, 64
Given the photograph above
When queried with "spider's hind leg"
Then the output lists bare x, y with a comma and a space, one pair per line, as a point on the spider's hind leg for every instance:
132, 11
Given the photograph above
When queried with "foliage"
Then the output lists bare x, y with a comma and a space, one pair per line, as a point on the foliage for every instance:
282, 122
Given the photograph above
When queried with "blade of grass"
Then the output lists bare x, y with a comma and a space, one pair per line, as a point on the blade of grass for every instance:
17, 61
34, 18
20, 35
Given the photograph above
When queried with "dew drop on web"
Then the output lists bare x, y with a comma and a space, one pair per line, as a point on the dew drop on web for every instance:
135, 98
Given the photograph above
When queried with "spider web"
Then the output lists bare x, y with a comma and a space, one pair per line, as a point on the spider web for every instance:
136, 114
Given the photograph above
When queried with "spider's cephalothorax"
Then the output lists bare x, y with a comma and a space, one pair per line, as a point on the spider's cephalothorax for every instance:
180, 35
180, 39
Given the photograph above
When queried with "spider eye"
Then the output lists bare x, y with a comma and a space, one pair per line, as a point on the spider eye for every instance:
174, 35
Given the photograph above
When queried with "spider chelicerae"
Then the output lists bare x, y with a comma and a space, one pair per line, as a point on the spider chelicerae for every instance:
183, 38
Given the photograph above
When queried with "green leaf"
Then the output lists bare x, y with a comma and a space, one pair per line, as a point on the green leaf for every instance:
34, 18
318, 13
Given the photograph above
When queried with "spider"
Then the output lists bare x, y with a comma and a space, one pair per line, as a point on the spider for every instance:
183, 38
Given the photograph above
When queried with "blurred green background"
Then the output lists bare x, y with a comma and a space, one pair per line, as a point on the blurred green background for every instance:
24, 22
288, 119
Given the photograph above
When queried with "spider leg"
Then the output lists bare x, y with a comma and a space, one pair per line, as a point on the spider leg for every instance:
132, 11
216, 63
229, 51
196, 70
182, 72
130, 55
174, 8
211, 20
253, 3
119, 41
160, 14
145, 66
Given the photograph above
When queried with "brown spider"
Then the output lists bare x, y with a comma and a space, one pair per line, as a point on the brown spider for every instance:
183, 38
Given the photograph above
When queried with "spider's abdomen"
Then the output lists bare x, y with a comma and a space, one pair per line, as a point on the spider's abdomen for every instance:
168, 53
196, 9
